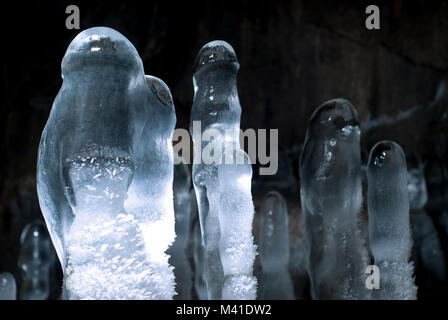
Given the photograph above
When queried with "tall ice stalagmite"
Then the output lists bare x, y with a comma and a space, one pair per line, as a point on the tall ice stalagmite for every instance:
215, 124
330, 173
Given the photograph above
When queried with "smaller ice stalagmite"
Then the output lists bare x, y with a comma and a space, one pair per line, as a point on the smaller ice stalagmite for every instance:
35, 260
182, 210
8, 287
276, 283
389, 228
331, 194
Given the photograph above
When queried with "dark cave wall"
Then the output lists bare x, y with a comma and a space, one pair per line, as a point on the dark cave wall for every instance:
294, 55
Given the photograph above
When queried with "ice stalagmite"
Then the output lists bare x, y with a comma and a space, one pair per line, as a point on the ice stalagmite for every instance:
215, 123
276, 283
8, 288
389, 229
330, 173
35, 261
105, 172
182, 210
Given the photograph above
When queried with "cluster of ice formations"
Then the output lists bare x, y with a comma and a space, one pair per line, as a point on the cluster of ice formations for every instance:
223, 189
105, 185
389, 229
105, 172
182, 211
331, 194
35, 262
276, 283
8, 287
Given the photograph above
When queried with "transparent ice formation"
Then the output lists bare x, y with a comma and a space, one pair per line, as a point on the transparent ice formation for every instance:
182, 211
389, 228
225, 221
35, 261
105, 172
8, 288
276, 283
330, 173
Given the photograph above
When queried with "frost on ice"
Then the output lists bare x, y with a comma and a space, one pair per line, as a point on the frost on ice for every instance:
8, 288
330, 173
35, 261
276, 283
105, 172
389, 228
225, 221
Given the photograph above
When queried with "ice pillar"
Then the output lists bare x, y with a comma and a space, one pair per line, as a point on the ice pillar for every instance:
105, 172
389, 229
276, 283
215, 123
330, 175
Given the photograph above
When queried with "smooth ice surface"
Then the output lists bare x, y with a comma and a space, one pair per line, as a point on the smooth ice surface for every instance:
276, 281
182, 210
389, 228
216, 106
8, 288
330, 173
35, 260
105, 172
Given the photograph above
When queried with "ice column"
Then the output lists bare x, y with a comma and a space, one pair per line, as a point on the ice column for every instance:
389, 229
8, 288
276, 283
330, 173
105, 172
215, 123
35, 260
182, 210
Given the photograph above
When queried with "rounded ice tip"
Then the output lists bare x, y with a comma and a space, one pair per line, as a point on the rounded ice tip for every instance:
100, 43
160, 90
387, 154
99, 39
336, 111
215, 51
